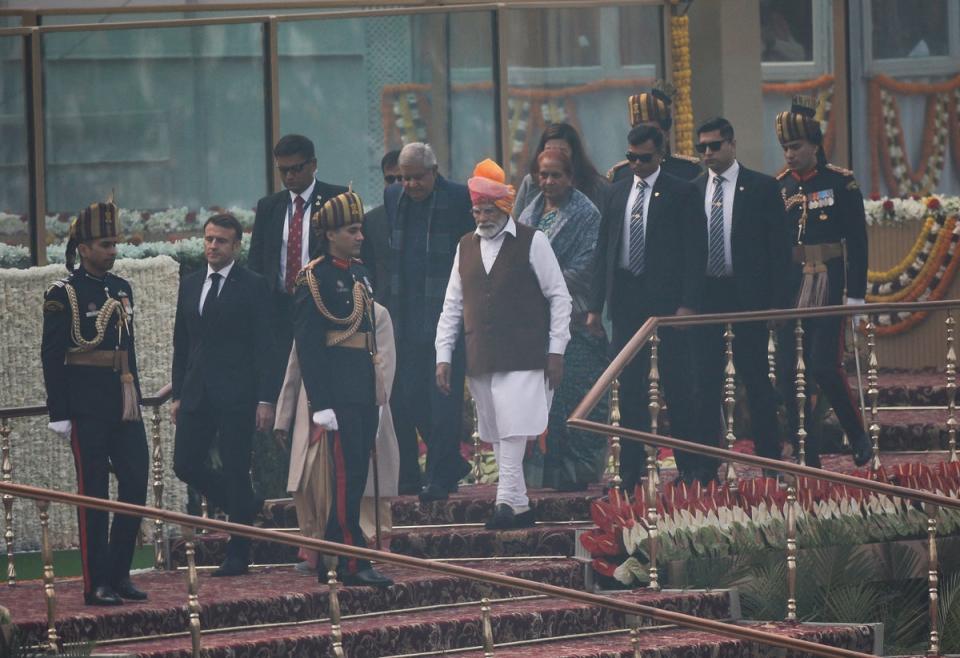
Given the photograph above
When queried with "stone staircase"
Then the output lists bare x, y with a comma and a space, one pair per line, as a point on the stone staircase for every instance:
279, 611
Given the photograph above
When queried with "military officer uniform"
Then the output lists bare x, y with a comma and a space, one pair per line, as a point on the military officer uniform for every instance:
825, 212
335, 342
90, 372
653, 107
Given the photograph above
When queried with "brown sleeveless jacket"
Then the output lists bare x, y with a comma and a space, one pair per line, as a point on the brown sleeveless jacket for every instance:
506, 318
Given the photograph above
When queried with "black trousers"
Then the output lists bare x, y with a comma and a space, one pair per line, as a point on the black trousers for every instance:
750, 362
418, 405
823, 349
678, 381
99, 445
282, 320
228, 487
350, 451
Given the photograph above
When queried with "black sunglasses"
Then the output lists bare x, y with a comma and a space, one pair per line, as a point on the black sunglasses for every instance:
713, 146
294, 169
640, 157
390, 179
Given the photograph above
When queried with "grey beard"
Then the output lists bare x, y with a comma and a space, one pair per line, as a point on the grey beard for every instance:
492, 229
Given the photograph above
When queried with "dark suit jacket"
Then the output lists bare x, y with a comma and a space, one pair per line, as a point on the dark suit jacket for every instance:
231, 355
759, 240
676, 247
375, 252
267, 238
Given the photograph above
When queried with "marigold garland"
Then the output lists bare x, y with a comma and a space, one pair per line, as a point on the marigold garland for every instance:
889, 156
682, 105
897, 270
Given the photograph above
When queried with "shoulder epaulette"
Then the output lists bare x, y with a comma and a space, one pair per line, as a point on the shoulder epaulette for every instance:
302, 274
59, 283
613, 170
840, 170
783, 174
688, 158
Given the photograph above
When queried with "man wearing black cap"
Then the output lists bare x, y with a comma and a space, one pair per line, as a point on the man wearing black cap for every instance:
652, 108
825, 213
93, 398
333, 328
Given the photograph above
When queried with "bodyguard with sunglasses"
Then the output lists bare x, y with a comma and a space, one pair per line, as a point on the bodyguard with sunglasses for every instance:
650, 261
748, 246
282, 242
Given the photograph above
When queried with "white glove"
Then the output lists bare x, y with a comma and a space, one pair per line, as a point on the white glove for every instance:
855, 301
326, 419
62, 427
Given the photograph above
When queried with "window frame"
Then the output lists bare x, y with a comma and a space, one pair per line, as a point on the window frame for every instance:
937, 65
822, 62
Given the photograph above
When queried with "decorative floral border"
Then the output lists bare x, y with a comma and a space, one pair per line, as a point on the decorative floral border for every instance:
702, 521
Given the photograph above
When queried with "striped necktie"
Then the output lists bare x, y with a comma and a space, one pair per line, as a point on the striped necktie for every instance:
638, 238
716, 263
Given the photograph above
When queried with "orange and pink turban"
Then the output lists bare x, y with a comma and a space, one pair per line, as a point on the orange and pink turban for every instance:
489, 185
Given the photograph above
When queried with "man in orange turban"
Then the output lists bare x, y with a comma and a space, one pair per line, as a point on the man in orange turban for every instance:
507, 291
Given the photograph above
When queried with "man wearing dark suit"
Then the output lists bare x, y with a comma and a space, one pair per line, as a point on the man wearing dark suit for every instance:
427, 214
650, 256
375, 252
748, 256
276, 252
225, 378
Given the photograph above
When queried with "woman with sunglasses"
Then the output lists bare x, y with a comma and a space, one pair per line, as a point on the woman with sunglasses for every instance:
570, 460
562, 137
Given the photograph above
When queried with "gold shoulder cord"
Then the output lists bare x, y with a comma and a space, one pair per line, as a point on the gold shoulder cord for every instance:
352, 322
109, 308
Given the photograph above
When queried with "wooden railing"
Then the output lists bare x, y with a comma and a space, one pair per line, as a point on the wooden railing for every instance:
647, 334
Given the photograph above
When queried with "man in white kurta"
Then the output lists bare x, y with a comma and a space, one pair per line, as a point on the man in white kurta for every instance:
513, 403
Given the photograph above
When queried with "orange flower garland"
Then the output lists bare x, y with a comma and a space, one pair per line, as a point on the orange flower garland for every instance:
886, 132
683, 106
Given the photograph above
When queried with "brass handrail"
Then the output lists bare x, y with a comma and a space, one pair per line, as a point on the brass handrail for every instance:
626, 607
158, 398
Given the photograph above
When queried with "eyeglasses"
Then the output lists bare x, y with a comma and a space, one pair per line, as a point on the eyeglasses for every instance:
713, 146
640, 157
390, 179
294, 169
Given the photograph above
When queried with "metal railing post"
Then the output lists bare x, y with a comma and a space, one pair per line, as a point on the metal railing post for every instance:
800, 382
616, 481
159, 561
791, 513
951, 373
475, 436
336, 630
772, 357
729, 404
933, 579
193, 587
873, 392
49, 593
6, 475
487, 627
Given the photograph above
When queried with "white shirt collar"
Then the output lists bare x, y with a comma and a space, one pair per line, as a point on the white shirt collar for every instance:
510, 228
305, 195
223, 271
729, 176
649, 180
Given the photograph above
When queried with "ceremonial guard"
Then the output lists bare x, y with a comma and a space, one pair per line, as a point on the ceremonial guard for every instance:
824, 208
653, 109
336, 345
93, 398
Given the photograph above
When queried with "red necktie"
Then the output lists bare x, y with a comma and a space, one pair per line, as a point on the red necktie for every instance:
294, 245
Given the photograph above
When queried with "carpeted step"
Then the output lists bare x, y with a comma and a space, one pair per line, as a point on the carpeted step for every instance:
908, 388
437, 629
268, 595
425, 542
907, 430
471, 504
685, 643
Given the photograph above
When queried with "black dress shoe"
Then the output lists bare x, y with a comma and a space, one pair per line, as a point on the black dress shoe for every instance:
232, 566
369, 577
524, 519
103, 595
502, 519
432, 493
862, 450
127, 590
